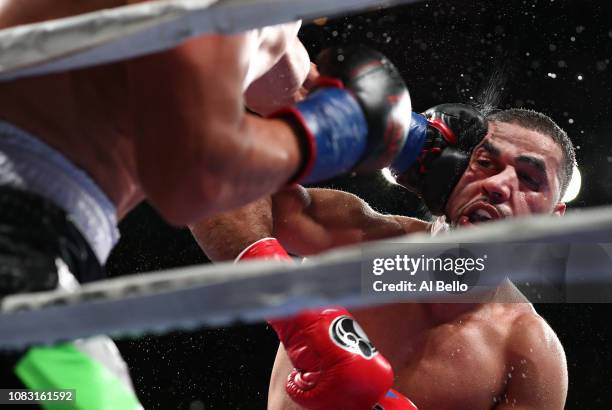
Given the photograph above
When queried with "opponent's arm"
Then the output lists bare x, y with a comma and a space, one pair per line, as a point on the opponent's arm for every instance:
223, 236
221, 157
198, 151
308, 221
537, 366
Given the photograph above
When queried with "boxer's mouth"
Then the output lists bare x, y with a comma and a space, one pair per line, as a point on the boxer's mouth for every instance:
478, 213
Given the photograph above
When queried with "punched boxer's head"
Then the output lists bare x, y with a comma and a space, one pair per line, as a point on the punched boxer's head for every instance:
522, 167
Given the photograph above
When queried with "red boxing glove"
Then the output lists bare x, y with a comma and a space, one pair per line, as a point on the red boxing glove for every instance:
336, 366
264, 249
395, 401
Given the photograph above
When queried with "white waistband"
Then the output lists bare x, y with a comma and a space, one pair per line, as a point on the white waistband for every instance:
29, 164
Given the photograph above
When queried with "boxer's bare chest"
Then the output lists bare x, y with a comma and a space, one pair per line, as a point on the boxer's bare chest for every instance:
456, 365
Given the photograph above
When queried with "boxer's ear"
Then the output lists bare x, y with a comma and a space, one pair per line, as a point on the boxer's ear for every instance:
559, 209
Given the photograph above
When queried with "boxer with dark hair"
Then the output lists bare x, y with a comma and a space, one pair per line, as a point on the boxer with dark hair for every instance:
536, 121
495, 355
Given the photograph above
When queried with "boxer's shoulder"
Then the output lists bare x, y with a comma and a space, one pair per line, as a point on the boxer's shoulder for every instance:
531, 337
536, 368
523, 326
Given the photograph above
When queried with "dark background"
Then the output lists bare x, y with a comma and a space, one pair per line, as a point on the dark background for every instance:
499, 53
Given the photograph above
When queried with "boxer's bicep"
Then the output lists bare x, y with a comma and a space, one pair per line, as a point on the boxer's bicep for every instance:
537, 377
277, 395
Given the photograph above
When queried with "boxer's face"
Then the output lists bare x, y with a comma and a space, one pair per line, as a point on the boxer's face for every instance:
513, 172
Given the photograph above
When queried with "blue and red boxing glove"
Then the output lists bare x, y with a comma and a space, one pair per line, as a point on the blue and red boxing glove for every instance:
335, 365
357, 119
437, 152
360, 119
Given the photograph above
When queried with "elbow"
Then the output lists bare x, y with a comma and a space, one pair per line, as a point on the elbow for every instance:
190, 197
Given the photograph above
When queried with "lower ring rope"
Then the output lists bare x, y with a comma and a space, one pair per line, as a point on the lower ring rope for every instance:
217, 295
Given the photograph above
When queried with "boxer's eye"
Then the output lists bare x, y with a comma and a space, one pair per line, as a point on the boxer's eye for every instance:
484, 163
531, 182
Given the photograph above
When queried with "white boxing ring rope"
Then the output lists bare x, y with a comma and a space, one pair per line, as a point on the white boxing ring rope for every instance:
129, 31
217, 295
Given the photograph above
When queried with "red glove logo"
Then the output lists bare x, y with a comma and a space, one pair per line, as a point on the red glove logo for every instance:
348, 335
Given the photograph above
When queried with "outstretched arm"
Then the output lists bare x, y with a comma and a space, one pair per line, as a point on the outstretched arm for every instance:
305, 221
197, 151
309, 221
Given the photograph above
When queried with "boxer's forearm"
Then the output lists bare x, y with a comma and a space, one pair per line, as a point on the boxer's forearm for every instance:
309, 221
203, 154
223, 236
238, 168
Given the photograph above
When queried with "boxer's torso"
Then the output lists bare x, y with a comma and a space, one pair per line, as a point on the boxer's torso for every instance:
83, 113
459, 364
443, 356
